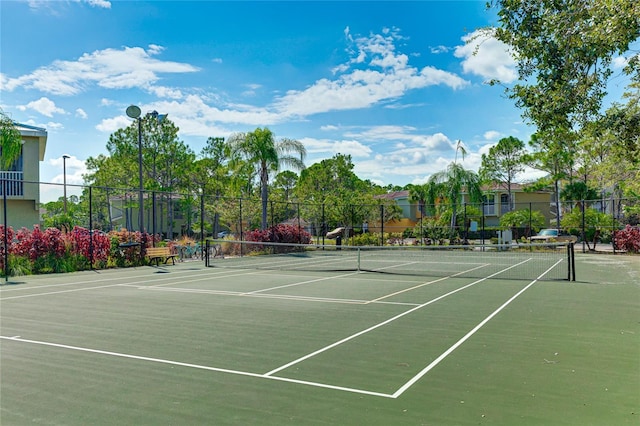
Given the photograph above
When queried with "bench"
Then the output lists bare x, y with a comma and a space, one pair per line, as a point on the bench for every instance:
160, 253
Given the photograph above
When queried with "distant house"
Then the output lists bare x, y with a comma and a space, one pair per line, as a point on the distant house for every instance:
408, 218
496, 202
494, 206
21, 179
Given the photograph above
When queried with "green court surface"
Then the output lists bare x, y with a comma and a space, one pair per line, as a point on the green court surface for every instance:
190, 345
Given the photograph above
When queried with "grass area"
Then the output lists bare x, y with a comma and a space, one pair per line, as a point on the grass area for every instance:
191, 345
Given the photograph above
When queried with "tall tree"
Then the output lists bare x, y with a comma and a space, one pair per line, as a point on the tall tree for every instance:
261, 148
503, 162
166, 160
564, 50
552, 157
10, 142
347, 199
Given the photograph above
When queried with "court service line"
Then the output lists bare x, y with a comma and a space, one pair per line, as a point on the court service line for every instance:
197, 366
424, 284
446, 353
134, 283
388, 321
300, 283
264, 296
92, 281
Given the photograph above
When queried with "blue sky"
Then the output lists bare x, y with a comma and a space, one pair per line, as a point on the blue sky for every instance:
393, 84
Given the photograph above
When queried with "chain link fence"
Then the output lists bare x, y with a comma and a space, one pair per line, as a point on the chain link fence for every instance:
171, 216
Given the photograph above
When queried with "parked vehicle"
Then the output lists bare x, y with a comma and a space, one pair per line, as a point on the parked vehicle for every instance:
553, 235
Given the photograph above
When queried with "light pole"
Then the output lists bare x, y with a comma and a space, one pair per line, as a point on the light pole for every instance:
134, 111
64, 179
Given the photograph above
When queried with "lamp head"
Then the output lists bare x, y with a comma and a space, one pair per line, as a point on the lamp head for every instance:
133, 111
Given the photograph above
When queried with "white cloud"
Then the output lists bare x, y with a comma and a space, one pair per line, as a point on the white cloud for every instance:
439, 49
166, 92
486, 56
99, 3
75, 168
109, 68
492, 135
331, 147
81, 113
375, 72
110, 125
44, 106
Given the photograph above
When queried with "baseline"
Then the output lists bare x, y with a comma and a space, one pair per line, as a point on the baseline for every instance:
196, 366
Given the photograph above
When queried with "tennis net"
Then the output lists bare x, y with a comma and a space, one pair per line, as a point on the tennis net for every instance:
548, 261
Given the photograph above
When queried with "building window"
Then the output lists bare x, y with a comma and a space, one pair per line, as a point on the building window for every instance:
489, 205
505, 205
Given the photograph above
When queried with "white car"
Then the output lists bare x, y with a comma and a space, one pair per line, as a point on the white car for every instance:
553, 235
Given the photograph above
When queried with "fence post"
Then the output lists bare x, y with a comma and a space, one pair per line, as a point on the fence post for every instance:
482, 224
154, 219
323, 228
201, 218
240, 224
464, 205
90, 228
6, 230
583, 225
613, 224
382, 224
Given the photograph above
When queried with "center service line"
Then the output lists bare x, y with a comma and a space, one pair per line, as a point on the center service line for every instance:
467, 336
360, 333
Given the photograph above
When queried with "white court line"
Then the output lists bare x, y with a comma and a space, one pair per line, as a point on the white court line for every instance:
301, 283
200, 367
425, 283
360, 333
264, 296
35, 285
269, 375
130, 284
446, 353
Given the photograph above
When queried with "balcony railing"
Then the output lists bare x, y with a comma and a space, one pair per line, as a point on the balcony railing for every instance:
13, 181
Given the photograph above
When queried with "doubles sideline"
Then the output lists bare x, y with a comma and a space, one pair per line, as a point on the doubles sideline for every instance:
271, 375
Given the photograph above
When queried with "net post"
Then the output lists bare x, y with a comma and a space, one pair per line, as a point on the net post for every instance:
206, 253
573, 262
571, 269
359, 259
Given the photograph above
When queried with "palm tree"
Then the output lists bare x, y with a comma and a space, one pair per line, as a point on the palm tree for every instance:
10, 142
261, 148
450, 183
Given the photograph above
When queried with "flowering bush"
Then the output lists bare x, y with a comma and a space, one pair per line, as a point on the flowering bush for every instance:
628, 239
38, 251
286, 234
80, 240
37, 244
128, 248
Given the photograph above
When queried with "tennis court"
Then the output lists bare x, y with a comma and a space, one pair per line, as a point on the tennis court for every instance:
190, 344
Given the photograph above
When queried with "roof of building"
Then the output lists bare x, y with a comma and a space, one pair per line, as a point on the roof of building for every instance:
393, 195
34, 132
27, 130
